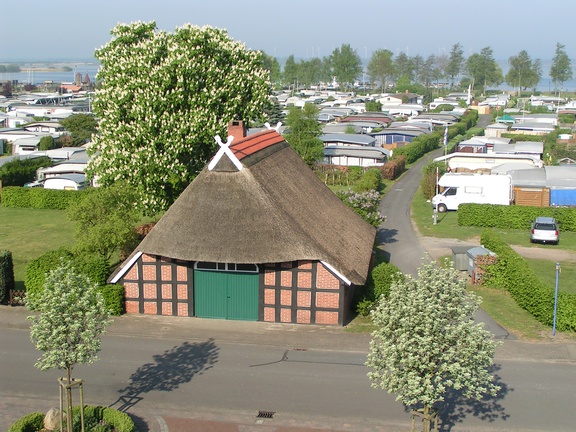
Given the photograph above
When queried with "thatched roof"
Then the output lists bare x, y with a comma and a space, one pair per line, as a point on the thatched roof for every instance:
275, 209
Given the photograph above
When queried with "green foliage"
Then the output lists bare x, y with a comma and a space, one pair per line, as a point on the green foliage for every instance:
38, 268
474, 131
364, 204
304, 131
429, 174
374, 106
46, 143
40, 198
113, 298
72, 318
444, 107
370, 180
483, 69
378, 284
95, 268
513, 217
512, 273
523, 72
111, 420
105, 220
21, 171
81, 127
164, 97
426, 342
381, 69
6, 274
32, 422
345, 64
419, 146
561, 67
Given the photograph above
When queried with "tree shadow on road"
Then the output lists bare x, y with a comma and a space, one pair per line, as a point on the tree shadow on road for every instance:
456, 407
168, 371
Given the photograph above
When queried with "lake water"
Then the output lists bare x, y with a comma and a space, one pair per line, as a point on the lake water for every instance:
40, 77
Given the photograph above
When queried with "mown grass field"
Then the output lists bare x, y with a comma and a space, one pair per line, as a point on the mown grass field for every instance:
28, 233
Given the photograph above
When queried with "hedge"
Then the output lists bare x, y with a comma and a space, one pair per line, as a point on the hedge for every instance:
512, 273
428, 142
6, 274
40, 198
120, 421
29, 423
378, 284
512, 216
113, 298
96, 269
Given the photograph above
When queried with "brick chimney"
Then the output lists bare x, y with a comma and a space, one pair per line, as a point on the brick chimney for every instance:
237, 129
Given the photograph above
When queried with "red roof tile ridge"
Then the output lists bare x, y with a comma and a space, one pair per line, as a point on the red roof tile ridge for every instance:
255, 143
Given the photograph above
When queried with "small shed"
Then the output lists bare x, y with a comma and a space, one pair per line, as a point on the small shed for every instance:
460, 257
473, 254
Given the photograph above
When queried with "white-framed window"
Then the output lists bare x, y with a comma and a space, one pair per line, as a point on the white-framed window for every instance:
230, 267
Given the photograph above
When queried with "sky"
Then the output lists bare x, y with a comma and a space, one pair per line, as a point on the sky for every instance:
72, 30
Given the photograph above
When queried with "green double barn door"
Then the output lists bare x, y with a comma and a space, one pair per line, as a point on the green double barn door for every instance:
226, 295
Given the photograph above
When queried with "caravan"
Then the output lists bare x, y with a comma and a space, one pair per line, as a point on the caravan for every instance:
460, 188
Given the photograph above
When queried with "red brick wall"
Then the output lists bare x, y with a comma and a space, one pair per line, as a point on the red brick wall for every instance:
318, 294
160, 288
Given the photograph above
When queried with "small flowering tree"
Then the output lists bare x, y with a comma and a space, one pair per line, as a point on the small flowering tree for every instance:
426, 342
365, 204
163, 98
72, 318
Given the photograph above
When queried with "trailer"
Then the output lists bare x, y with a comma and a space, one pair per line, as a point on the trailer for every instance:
67, 182
463, 188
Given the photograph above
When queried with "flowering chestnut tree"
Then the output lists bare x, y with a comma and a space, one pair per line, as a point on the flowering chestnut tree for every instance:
426, 342
163, 98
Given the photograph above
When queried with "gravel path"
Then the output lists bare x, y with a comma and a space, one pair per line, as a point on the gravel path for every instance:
441, 247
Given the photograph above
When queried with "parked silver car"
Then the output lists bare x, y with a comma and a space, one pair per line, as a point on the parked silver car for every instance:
545, 230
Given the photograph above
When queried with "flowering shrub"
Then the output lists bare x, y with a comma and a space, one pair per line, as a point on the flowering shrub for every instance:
163, 98
365, 204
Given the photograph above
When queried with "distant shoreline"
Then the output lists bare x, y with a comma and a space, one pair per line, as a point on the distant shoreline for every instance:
45, 69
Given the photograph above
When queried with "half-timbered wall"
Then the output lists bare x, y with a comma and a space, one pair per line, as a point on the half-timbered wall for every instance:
302, 292
159, 286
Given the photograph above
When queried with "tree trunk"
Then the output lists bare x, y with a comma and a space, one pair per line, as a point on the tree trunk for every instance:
69, 399
426, 419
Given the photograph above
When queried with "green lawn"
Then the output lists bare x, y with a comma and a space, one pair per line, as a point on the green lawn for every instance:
447, 227
28, 233
498, 303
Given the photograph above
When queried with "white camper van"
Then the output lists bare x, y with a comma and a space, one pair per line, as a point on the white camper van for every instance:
67, 182
461, 188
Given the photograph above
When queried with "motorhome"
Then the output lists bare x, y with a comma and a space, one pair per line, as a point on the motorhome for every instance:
463, 188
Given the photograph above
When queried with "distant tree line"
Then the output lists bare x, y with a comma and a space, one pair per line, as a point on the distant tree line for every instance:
479, 71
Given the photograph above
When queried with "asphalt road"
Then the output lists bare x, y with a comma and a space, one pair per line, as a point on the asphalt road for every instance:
329, 388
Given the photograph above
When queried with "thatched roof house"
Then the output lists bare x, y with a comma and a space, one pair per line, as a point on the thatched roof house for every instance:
257, 207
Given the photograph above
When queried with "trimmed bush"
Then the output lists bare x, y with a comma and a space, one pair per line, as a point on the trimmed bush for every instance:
37, 269
6, 274
29, 423
93, 418
113, 298
515, 217
512, 273
40, 198
393, 168
378, 284
97, 269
